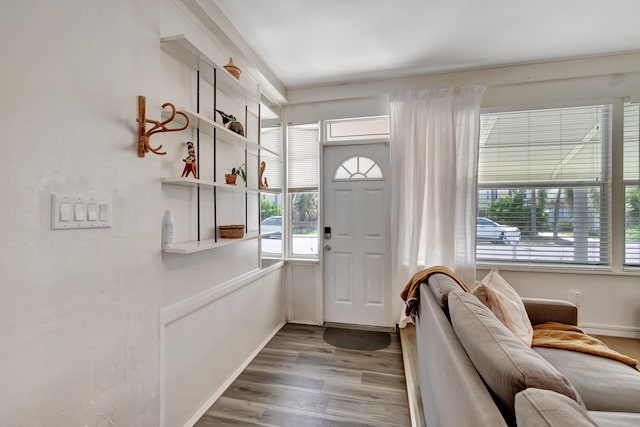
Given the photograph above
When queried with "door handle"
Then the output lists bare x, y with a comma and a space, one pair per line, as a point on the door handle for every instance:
327, 247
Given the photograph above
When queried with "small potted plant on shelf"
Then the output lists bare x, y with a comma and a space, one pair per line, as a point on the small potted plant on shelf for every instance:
230, 178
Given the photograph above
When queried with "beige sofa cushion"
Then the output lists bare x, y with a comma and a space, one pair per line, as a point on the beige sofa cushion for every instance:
615, 419
441, 285
544, 408
497, 294
504, 362
604, 384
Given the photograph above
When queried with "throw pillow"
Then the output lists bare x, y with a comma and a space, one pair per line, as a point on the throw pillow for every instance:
505, 363
497, 294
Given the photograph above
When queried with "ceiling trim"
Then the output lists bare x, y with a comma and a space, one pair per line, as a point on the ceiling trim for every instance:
215, 21
622, 64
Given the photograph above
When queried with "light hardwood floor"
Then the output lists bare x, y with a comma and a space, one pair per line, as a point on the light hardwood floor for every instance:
299, 380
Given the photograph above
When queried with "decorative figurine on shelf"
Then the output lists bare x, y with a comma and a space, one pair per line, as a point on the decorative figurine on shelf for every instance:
233, 69
229, 121
263, 184
190, 161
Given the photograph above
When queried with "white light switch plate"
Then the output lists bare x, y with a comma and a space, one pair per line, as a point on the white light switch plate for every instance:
72, 212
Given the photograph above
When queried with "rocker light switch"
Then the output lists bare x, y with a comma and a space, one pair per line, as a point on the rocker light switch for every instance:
65, 212
104, 212
69, 212
92, 212
79, 212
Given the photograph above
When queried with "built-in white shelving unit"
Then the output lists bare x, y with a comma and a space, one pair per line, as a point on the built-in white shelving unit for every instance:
243, 94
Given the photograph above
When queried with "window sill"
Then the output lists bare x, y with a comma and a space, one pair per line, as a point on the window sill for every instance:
294, 260
561, 269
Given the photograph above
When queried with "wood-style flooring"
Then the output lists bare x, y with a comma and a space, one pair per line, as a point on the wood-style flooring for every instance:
298, 380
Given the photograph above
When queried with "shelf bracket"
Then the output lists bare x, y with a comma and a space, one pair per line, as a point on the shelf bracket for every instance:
144, 134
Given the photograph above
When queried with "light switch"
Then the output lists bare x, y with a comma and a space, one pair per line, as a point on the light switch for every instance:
104, 212
65, 212
79, 212
92, 212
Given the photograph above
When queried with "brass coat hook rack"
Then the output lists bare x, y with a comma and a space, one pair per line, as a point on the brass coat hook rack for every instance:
144, 135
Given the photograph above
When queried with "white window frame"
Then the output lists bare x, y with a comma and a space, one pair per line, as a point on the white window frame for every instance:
613, 191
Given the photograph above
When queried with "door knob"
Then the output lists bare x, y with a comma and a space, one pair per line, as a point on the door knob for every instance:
327, 247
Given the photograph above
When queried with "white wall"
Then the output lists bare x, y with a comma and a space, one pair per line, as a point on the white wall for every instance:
304, 292
79, 310
611, 301
206, 349
217, 310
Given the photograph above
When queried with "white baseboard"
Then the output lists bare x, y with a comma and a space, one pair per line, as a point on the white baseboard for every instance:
217, 393
304, 322
610, 330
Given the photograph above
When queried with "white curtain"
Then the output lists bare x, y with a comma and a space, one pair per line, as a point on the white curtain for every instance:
434, 163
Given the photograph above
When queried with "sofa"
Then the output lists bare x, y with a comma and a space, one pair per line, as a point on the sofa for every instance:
473, 371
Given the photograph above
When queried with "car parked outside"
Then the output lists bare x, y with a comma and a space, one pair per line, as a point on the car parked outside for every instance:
487, 229
273, 224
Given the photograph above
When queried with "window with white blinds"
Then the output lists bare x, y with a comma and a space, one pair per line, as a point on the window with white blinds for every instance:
271, 138
302, 156
303, 164
631, 174
543, 194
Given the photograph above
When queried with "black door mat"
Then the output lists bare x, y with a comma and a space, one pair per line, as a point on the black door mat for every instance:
356, 339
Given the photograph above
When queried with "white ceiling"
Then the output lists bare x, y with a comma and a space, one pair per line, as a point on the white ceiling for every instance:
319, 42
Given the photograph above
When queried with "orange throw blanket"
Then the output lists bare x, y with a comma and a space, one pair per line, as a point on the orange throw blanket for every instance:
568, 337
411, 292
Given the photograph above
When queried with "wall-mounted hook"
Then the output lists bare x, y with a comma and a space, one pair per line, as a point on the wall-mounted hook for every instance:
144, 135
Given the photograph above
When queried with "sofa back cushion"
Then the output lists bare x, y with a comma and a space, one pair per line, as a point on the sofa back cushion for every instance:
504, 362
452, 392
544, 408
441, 285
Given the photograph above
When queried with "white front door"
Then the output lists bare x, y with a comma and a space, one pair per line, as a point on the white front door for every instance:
357, 277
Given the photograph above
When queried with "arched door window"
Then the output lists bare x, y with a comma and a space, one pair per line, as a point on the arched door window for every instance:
358, 167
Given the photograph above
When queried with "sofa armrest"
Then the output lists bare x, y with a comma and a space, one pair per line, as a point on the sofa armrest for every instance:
542, 310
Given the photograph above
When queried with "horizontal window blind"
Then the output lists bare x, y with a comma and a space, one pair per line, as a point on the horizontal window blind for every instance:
302, 157
543, 186
631, 173
271, 138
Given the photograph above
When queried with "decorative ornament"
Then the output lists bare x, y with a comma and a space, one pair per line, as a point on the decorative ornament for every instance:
263, 184
233, 69
191, 165
229, 121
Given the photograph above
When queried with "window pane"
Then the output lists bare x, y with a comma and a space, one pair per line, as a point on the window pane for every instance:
271, 224
303, 151
632, 183
631, 146
632, 225
542, 182
550, 225
304, 223
358, 168
360, 128
543, 146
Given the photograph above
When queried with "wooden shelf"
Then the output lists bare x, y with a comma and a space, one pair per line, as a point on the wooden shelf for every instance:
182, 49
205, 245
192, 182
